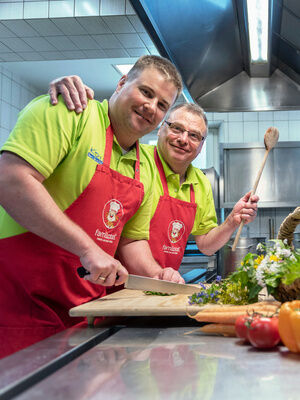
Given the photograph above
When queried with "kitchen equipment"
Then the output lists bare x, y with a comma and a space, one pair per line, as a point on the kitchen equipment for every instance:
232, 259
137, 282
270, 140
134, 303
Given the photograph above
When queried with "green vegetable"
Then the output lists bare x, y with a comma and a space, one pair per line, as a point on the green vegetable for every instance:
148, 292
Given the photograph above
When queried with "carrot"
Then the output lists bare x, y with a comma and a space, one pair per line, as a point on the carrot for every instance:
218, 317
220, 329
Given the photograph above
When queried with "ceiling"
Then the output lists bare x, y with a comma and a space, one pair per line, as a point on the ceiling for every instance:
40, 50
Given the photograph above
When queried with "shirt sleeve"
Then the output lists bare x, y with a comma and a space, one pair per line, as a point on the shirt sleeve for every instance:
206, 218
43, 134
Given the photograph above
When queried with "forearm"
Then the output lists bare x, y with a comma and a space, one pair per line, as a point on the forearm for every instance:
136, 256
216, 237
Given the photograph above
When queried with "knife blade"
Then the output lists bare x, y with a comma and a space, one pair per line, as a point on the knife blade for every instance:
137, 282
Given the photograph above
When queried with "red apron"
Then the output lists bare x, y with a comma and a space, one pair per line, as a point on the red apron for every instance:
39, 283
171, 224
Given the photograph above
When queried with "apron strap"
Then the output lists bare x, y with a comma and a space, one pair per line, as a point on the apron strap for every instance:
108, 145
137, 163
192, 194
161, 172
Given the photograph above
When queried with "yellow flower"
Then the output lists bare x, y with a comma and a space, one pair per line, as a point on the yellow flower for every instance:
258, 260
274, 258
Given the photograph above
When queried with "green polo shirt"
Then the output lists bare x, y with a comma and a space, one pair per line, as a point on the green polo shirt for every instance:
65, 148
205, 218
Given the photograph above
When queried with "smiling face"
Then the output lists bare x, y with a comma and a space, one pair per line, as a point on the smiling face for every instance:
180, 150
139, 104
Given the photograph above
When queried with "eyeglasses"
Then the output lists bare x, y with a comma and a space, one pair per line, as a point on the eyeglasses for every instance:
178, 130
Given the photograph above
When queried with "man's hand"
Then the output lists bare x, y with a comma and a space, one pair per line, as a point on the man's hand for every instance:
244, 211
73, 91
169, 274
104, 269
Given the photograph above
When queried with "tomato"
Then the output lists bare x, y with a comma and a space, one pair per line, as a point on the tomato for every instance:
263, 332
241, 327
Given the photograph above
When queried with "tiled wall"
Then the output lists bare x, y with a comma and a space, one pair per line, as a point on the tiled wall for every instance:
15, 93
244, 127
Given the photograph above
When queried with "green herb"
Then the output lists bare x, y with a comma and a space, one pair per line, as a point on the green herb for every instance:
148, 292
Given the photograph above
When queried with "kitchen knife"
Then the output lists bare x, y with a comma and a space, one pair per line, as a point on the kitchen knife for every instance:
137, 282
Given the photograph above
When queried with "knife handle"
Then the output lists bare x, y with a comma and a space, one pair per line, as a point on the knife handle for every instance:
82, 272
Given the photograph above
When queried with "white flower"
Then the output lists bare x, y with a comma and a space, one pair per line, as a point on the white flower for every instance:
259, 247
285, 253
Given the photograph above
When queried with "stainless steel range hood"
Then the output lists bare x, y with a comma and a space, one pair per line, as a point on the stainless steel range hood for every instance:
208, 41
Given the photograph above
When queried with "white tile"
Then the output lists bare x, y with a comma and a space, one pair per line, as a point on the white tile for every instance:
112, 7
61, 43
45, 27
265, 116
250, 116
86, 8
250, 131
119, 24
220, 116
262, 127
281, 115
31, 56
283, 128
235, 132
11, 11
116, 53
5, 32
10, 57
84, 42
94, 25
69, 26
210, 116
6, 84
17, 44
39, 44
223, 132
25, 97
95, 53
74, 54
130, 40
128, 8
62, 8
5, 71
21, 28
4, 133
13, 117
136, 22
15, 94
153, 51
294, 130
146, 39
294, 115
235, 117
137, 52
3, 47
108, 41
54, 55
5, 115
36, 9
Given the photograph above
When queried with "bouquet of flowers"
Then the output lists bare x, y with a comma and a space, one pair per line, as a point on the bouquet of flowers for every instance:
277, 270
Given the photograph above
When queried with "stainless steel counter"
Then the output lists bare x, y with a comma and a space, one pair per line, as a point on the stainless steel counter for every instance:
153, 361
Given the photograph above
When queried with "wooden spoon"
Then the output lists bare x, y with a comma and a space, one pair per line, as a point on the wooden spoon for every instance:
270, 140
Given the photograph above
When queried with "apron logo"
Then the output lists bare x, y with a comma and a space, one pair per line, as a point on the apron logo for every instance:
175, 231
112, 213
94, 155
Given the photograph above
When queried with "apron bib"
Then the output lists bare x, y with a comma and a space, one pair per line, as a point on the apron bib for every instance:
39, 283
171, 224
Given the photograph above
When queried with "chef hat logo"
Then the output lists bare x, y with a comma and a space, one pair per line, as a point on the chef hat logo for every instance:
177, 225
175, 231
114, 206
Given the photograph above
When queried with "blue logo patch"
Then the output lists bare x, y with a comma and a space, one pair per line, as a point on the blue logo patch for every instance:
94, 155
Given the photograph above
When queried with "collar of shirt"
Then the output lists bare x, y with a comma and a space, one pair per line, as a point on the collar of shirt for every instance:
191, 177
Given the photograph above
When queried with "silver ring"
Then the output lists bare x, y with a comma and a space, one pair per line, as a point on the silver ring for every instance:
101, 278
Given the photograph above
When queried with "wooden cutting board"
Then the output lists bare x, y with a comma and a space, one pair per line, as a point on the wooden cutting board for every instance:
135, 303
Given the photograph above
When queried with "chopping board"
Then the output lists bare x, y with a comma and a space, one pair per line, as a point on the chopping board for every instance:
134, 303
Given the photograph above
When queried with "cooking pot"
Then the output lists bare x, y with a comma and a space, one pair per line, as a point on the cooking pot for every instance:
230, 260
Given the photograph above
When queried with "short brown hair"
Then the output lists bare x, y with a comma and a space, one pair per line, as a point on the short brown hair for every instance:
192, 108
163, 65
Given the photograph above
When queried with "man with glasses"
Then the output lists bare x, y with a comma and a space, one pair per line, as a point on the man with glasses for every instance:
182, 196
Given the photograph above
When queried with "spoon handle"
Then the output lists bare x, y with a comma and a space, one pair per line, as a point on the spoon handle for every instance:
238, 234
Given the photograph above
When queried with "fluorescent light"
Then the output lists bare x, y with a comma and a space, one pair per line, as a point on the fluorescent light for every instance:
123, 69
258, 24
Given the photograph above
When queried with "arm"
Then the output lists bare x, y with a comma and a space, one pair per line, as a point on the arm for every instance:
219, 236
137, 257
73, 91
29, 203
